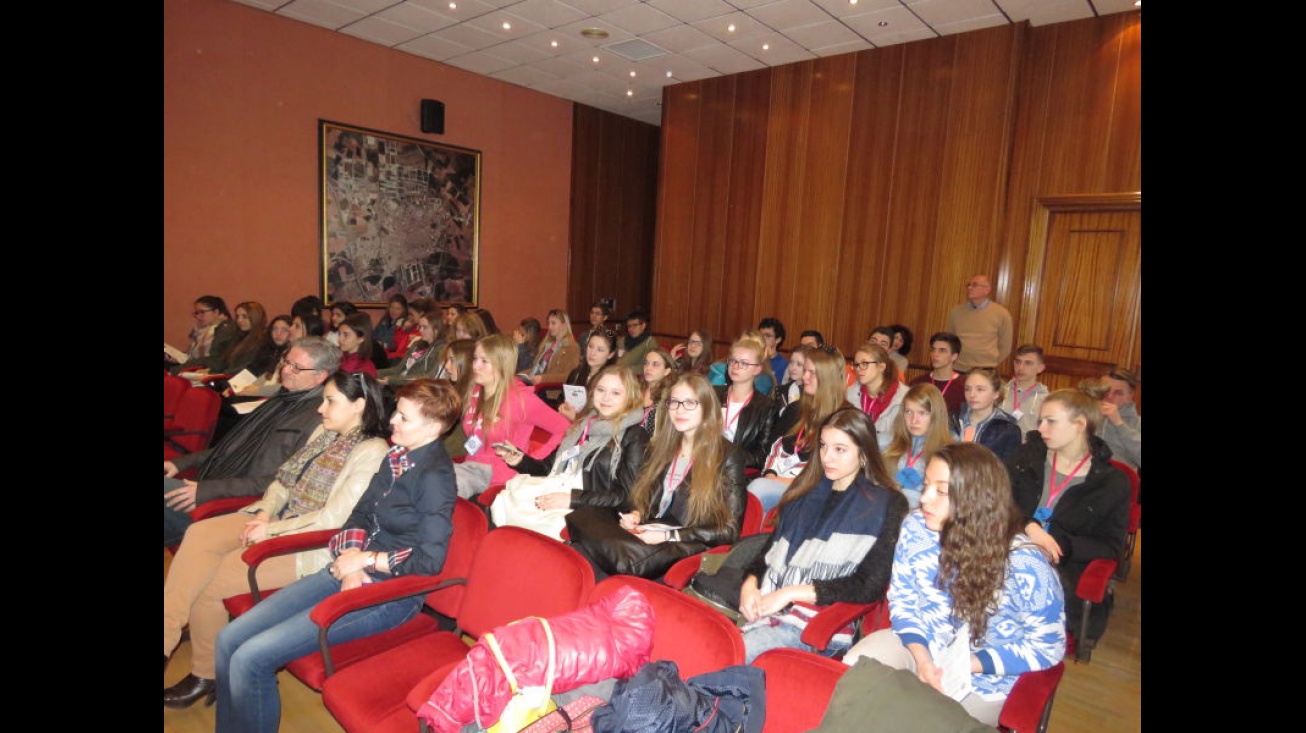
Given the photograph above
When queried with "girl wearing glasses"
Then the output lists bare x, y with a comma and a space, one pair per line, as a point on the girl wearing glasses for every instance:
746, 410
971, 597
688, 497
795, 431
878, 390
213, 335
695, 355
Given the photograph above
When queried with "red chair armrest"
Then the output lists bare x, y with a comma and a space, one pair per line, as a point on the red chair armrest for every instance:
286, 544
486, 498
331, 609
1097, 576
679, 574
835, 616
227, 505
421, 692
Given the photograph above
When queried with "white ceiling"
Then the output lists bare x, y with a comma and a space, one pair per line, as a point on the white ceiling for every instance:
544, 50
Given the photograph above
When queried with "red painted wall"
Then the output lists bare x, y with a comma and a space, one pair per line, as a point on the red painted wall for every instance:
243, 90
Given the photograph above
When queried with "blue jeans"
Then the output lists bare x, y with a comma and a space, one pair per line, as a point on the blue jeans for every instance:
174, 522
761, 638
252, 648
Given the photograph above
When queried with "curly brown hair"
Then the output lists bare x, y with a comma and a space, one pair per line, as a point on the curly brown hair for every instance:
976, 537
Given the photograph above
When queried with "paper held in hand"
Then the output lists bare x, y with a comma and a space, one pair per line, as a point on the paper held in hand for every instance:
177, 354
954, 660
575, 396
659, 526
242, 380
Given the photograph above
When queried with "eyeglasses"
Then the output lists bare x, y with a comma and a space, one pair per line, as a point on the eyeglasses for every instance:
737, 362
281, 329
298, 369
692, 342
688, 405
201, 311
977, 285
862, 366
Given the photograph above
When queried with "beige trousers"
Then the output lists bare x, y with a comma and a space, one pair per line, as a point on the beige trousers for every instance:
207, 569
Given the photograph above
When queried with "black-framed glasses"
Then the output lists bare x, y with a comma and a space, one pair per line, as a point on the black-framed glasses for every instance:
201, 311
298, 369
689, 405
862, 366
692, 342
740, 362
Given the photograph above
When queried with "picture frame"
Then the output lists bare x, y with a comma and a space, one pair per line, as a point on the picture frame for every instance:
399, 215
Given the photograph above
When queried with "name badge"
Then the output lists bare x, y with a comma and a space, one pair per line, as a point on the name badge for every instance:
473, 444
567, 455
1017, 414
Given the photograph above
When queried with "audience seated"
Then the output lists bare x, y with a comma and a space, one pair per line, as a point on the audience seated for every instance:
252, 323
694, 356
336, 315
354, 336
794, 433
1122, 425
1024, 392
456, 366
400, 527
689, 495
527, 336
885, 336
944, 349
833, 542
395, 327
600, 351
981, 420
879, 390
558, 352
637, 342
469, 325
903, 338
600, 455
655, 381
316, 488
980, 584
773, 335
501, 409
1075, 504
747, 413
211, 338
599, 313
423, 359
790, 386
920, 429
245, 460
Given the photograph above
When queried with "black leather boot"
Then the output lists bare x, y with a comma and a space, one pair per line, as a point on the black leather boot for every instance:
188, 691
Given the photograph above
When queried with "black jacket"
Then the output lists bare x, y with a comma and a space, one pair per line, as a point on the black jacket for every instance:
600, 487
753, 431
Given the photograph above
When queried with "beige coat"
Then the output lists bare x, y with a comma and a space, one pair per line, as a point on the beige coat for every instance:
362, 464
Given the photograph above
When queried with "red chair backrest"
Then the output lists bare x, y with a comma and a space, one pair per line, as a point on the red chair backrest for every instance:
1029, 705
799, 685
1135, 483
173, 388
470, 526
695, 636
517, 573
753, 515
195, 420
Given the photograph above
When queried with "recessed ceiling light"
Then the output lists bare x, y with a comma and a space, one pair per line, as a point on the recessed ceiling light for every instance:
630, 92
554, 44
731, 28
852, 2
632, 74
453, 6
595, 59
766, 47
595, 33
668, 73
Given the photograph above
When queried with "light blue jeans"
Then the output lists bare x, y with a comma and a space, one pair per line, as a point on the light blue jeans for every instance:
761, 638
768, 491
252, 648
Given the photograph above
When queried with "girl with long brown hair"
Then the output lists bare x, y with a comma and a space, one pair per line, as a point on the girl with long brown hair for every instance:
972, 601
689, 496
920, 428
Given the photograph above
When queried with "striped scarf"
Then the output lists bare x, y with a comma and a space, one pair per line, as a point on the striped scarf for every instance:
310, 474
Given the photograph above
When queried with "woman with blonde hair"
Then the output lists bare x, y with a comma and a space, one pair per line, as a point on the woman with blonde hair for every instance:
558, 352
878, 390
798, 425
598, 458
689, 496
500, 409
982, 419
746, 409
969, 586
1075, 504
920, 429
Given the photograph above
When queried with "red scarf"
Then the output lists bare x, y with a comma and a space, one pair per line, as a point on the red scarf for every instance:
876, 407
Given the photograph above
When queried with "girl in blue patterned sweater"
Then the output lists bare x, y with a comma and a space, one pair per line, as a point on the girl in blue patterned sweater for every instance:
964, 572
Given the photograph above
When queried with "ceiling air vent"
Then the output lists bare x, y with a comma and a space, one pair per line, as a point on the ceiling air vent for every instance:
636, 50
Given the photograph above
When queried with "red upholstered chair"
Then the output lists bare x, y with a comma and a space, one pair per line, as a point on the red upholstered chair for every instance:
444, 594
193, 422
1097, 583
679, 574
799, 685
516, 573
215, 507
1135, 518
695, 636
173, 388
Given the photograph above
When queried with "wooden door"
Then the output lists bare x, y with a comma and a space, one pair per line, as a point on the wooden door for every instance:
1083, 286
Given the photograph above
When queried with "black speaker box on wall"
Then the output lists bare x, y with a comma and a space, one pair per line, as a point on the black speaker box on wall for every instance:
433, 116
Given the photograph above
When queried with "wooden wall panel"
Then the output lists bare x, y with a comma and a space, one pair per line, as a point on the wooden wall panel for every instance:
614, 190
864, 189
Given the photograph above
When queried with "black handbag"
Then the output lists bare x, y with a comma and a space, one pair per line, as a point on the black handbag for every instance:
719, 586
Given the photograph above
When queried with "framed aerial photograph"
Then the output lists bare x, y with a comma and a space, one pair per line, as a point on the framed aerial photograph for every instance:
400, 215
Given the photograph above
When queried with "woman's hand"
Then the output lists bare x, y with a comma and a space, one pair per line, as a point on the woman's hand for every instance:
1040, 537
678, 350
256, 530
535, 378
775, 601
567, 411
169, 469
558, 500
629, 522
518, 337
750, 599
511, 455
926, 670
355, 580
182, 498
653, 536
